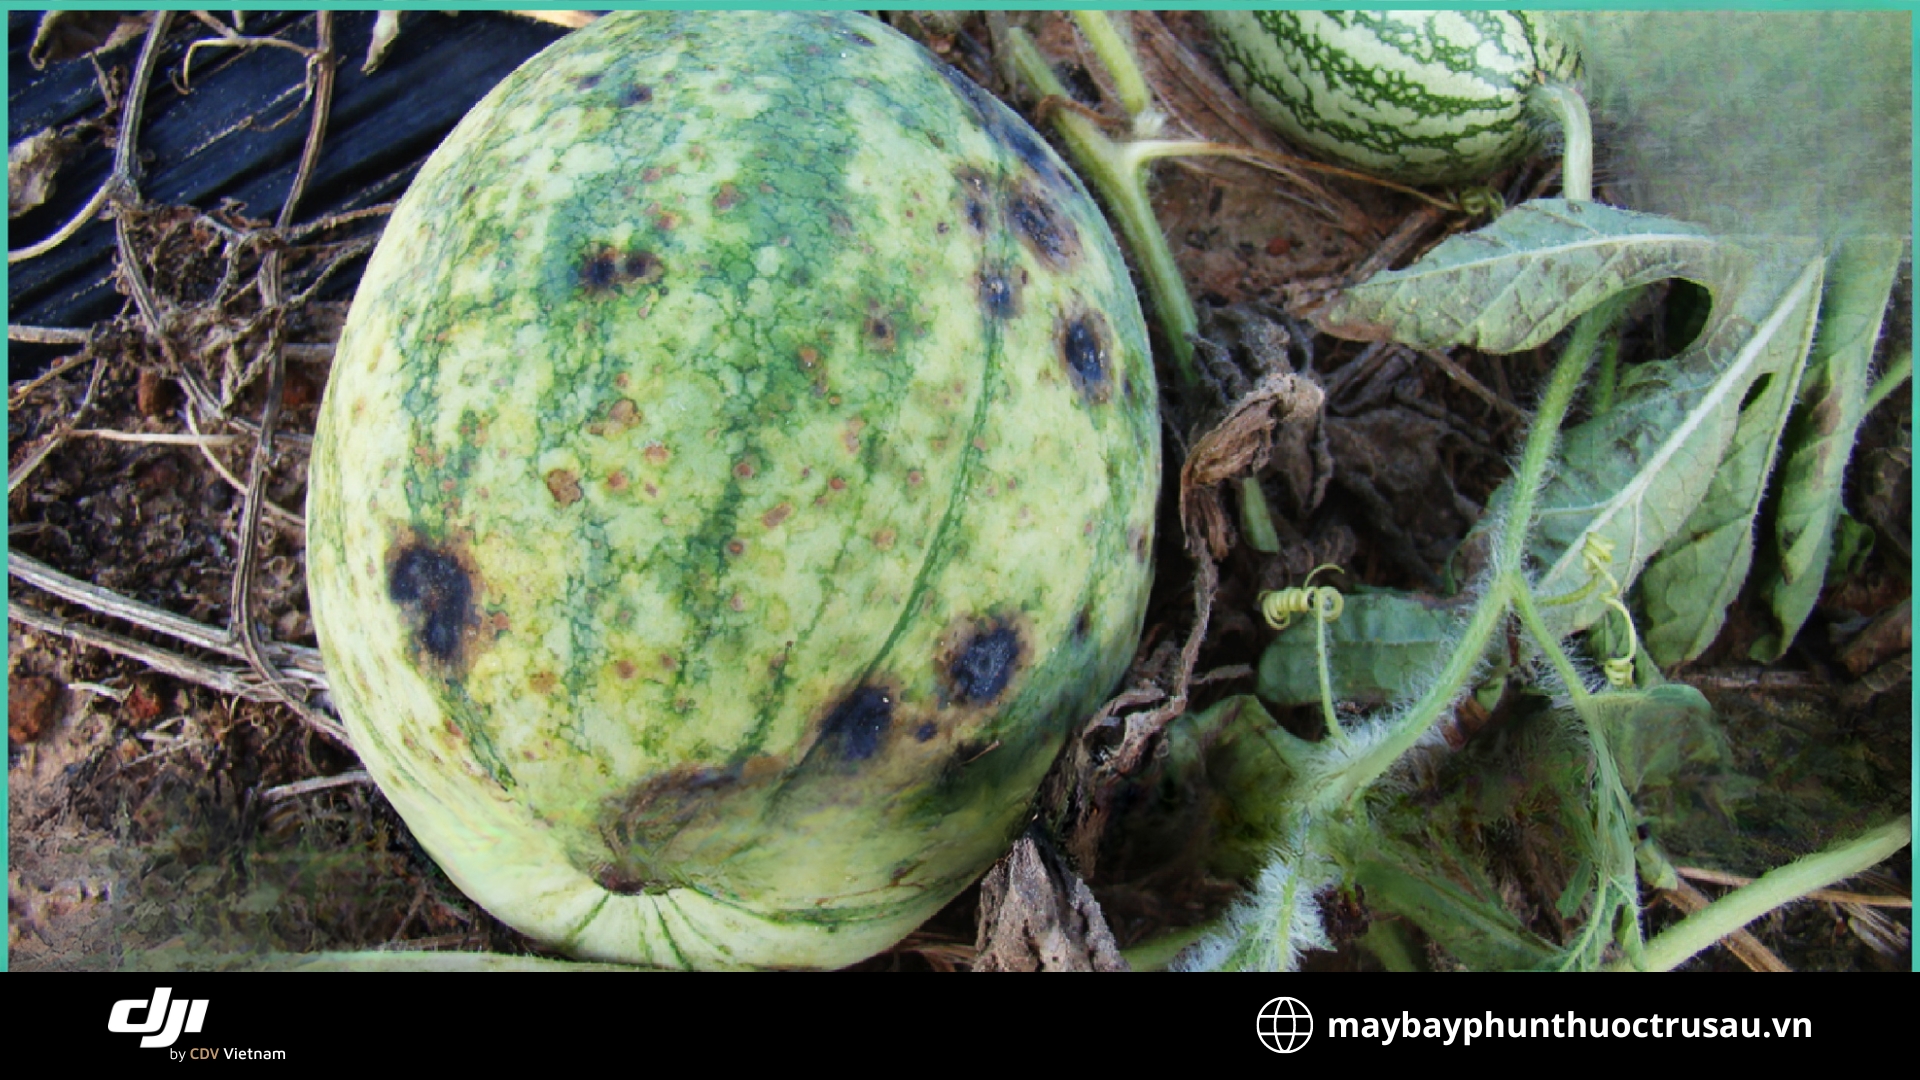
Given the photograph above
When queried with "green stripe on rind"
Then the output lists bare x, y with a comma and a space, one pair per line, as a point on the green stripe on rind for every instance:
1425, 97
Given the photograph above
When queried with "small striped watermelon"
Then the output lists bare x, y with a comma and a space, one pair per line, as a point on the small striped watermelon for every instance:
1426, 97
737, 476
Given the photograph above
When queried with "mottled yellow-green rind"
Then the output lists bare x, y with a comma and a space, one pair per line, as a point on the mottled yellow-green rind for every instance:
810, 451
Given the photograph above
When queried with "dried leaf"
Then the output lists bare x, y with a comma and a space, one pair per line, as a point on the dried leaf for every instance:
386, 30
1238, 445
1820, 439
69, 35
1516, 283
31, 165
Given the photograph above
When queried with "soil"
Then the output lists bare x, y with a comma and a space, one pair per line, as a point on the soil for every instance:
172, 803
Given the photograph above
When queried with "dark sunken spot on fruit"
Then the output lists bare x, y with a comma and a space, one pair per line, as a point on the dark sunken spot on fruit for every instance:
641, 266
1083, 624
599, 273
880, 329
437, 595
973, 198
926, 731
1083, 348
1049, 234
856, 725
636, 95
1031, 150
985, 664
997, 295
606, 269
1006, 128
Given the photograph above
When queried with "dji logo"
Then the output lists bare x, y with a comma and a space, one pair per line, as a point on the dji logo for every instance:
167, 1023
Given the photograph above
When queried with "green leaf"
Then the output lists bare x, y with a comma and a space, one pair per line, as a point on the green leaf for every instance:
1467, 921
1241, 768
1852, 543
1687, 588
1516, 283
1382, 645
1628, 481
1820, 439
1656, 734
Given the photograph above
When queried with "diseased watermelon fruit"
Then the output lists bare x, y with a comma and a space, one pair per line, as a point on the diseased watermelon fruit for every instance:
1428, 97
737, 477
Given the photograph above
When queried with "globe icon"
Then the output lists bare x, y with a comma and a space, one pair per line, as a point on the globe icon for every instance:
1285, 1025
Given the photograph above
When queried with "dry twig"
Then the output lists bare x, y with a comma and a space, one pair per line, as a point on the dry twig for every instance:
320, 67
33, 572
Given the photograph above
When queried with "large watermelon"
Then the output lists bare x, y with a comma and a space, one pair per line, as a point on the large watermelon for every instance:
1427, 97
737, 476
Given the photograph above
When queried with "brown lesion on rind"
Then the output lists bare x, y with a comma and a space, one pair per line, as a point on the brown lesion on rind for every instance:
622, 415
436, 587
640, 824
564, 486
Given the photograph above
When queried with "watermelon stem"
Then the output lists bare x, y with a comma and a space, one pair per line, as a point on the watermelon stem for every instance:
1115, 172
1675, 945
1148, 150
1569, 110
1116, 55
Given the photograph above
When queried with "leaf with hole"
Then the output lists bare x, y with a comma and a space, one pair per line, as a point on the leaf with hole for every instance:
1687, 587
1630, 480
